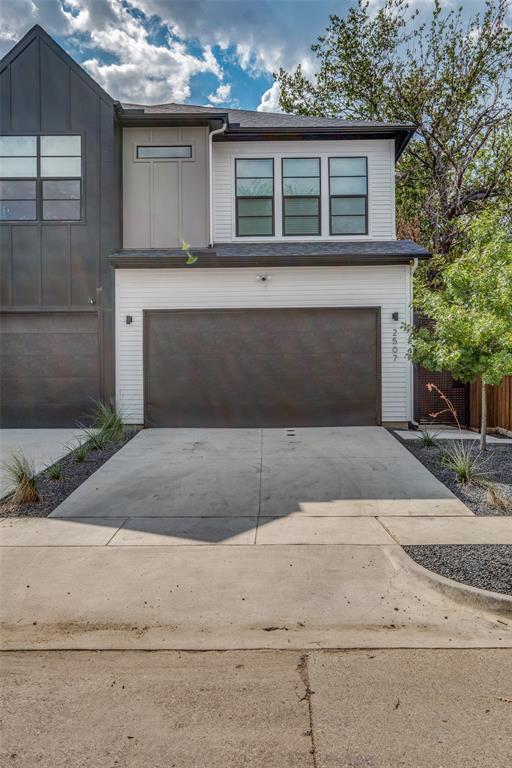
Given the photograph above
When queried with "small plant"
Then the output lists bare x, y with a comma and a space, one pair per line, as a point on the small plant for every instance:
108, 420
54, 472
428, 436
191, 259
468, 465
80, 452
96, 439
20, 471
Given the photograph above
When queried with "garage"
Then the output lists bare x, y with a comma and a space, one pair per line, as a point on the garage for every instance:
262, 367
50, 368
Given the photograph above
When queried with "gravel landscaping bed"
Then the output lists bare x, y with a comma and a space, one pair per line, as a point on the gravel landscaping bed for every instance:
498, 466
53, 492
487, 566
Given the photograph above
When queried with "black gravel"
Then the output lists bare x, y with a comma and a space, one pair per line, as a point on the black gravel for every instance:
498, 468
53, 492
487, 566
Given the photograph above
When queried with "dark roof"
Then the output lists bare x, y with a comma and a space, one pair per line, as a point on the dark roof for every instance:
246, 125
278, 254
245, 118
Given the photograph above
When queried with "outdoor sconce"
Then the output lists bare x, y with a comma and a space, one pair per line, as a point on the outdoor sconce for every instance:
129, 319
395, 315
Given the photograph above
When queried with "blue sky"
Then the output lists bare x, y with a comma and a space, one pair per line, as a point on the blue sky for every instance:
218, 52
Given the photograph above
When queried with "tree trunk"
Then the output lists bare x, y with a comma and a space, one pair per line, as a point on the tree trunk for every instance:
483, 422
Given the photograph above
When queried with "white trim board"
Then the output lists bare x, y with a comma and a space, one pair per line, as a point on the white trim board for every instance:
387, 287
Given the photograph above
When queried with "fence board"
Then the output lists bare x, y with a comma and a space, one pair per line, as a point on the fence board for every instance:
499, 404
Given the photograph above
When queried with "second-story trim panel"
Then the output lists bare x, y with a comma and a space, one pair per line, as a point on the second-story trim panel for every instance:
350, 196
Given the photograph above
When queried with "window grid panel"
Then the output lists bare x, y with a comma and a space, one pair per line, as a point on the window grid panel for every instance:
293, 168
348, 223
48, 148
254, 224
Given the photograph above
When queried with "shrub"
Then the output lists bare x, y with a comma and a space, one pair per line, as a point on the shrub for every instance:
468, 464
80, 452
428, 436
96, 439
20, 471
54, 472
108, 420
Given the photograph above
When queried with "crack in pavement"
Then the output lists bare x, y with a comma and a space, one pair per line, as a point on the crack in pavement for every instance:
302, 669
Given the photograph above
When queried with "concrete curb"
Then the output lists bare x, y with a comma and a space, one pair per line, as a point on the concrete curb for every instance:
462, 593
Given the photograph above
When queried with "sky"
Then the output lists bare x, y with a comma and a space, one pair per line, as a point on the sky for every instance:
211, 52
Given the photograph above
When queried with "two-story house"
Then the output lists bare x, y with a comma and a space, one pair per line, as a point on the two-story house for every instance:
292, 314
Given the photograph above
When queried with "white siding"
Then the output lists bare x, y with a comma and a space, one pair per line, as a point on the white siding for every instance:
381, 183
387, 287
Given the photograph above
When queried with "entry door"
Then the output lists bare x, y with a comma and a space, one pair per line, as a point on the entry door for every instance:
262, 367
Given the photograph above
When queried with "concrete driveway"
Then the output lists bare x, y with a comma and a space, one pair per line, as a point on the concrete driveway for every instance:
259, 486
222, 539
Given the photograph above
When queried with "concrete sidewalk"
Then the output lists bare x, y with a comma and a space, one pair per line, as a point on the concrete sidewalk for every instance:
267, 709
248, 597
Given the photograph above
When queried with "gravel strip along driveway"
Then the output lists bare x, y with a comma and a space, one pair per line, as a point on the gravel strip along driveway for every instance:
498, 466
487, 566
53, 492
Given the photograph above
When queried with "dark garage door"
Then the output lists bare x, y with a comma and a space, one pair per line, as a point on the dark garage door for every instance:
262, 367
50, 368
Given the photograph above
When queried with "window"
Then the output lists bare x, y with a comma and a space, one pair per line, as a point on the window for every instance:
40, 178
348, 191
254, 197
301, 196
164, 153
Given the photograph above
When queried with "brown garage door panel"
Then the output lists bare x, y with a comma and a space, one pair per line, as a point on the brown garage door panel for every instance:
50, 368
256, 367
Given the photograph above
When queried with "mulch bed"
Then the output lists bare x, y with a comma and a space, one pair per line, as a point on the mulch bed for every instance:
53, 492
487, 566
498, 466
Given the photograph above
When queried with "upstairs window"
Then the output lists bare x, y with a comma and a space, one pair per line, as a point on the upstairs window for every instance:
177, 152
254, 181
40, 178
348, 195
301, 196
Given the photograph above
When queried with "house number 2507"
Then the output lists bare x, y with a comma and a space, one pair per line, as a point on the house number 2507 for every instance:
394, 345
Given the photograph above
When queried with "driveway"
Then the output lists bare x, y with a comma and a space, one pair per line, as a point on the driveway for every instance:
206, 539
259, 486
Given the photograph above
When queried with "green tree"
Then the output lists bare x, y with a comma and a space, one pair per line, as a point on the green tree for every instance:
449, 78
471, 312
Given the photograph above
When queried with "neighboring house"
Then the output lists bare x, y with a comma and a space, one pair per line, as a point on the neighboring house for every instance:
292, 314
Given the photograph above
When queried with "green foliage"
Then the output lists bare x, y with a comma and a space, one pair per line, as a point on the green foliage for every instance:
449, 78
96, 439
428, 437
54, 472
468, 464
20, 472
108, 420
471, 313
191, 259
80, 452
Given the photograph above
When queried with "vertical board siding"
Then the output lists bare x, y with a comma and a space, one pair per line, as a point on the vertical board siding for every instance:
381, 183
385, 287
499, 404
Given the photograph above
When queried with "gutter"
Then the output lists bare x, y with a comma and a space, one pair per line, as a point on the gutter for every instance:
414, 267
210, 179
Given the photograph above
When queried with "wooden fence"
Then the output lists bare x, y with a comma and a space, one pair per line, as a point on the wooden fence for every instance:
499, 404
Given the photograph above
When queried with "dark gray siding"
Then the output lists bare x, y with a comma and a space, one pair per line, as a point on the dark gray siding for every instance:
61, 267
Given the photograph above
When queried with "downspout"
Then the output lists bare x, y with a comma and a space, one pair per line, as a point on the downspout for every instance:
414, 267
210, 179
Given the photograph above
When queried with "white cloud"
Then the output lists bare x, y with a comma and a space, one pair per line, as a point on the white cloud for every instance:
221, 95
270, 100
